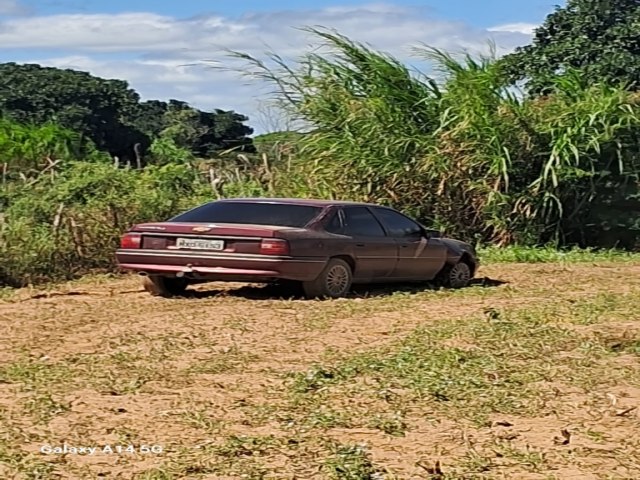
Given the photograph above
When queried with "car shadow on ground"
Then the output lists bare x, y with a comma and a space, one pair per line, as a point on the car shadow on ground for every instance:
288, 292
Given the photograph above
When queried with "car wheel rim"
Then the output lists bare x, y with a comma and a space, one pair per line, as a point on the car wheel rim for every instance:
337, 280
460, 274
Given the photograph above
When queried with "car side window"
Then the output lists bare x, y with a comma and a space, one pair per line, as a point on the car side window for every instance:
360, 222
334, 225
397, 224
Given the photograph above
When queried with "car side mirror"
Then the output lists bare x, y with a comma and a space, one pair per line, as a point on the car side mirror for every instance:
429, 233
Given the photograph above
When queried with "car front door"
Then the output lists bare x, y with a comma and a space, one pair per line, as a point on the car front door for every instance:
376, 254
419, 258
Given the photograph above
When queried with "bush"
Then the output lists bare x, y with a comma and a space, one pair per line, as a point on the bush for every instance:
66, 227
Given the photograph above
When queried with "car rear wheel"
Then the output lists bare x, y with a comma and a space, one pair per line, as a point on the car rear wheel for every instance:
164, 286
456, 276
334, 281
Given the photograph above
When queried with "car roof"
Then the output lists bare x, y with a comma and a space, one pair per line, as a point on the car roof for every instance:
300, 201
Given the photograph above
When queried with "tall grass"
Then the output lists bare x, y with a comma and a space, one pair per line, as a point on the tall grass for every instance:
68, 225
467, 154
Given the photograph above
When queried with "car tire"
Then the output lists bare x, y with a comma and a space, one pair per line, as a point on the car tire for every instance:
456, 276
164, 286
333, 282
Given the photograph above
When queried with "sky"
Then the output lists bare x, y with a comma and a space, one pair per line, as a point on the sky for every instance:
165, 48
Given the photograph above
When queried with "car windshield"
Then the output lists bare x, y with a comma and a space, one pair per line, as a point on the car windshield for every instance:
254, 213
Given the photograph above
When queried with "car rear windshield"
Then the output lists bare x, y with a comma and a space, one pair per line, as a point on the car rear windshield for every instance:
278, 214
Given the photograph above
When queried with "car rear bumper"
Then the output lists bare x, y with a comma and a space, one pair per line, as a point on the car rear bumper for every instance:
220, 266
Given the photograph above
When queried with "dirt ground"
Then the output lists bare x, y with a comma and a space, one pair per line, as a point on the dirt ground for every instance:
242, 382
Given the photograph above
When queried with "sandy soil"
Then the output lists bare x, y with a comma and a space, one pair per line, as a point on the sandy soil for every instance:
100, 362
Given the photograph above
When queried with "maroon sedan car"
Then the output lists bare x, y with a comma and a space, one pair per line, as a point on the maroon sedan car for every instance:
325, 245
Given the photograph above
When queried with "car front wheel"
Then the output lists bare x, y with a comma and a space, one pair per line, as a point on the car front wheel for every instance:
164, 286
334, 281
456, 276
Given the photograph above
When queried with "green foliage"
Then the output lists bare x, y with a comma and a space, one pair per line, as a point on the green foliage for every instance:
203, 134
91, 106
165, 150
551, 254
61, 215
110, 114
279, 146
351, 462
27, 149
598, 37
66, 227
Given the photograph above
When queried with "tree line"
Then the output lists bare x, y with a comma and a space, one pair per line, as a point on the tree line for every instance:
111, 115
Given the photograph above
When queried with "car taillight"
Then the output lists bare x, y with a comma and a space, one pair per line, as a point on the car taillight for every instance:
131, 240
274, 246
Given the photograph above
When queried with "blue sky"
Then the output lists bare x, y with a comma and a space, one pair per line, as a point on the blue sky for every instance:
159, 46
483, 13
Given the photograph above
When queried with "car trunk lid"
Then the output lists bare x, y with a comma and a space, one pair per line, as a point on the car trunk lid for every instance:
224, 238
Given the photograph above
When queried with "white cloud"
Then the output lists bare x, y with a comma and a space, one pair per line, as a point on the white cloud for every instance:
12, 7
523, 28
152, 51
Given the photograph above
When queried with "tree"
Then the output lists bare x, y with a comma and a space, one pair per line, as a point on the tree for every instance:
597, 37
225, 130
99, 109
202, 133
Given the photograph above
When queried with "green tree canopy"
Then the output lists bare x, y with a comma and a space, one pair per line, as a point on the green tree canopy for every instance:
600, 38
203, 133
111, 115
91, 106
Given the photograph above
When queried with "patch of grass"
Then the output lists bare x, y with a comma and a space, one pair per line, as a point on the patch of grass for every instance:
616, 343
449, 375
14, 463
239, 456
393, 424
186, 464
228, 360
472, 463
237, 322
125, 435
325, 417
200, 418
156, 474
530, 459
44, 407
33, 374
7, 293
604, 306
319, 321
119, 373
351, 462
126, 381
246, 446
474, 367
519, 254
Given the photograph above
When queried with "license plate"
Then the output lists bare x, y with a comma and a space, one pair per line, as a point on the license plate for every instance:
198, 244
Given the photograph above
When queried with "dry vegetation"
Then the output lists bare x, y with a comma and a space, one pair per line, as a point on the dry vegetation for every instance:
536, 377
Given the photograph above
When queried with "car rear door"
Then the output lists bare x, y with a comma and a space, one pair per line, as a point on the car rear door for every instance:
376, 254
419, 258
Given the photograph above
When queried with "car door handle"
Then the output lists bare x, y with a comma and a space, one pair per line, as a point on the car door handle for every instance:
359, 244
